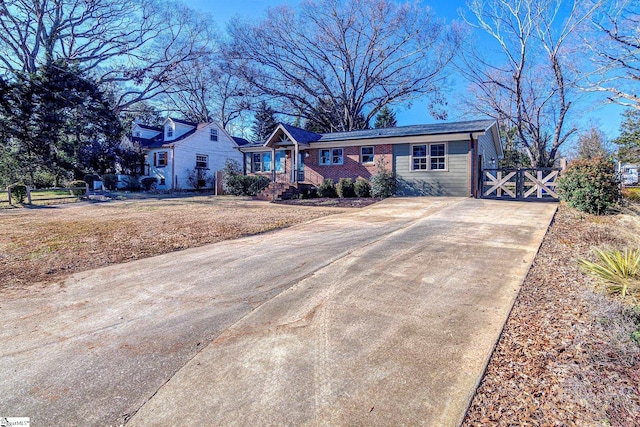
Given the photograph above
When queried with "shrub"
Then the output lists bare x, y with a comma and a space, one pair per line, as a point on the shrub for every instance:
149, 183
78, 187
383, 183
589, 185
619, 270
18, 192
362, 188
327, 189
232, 182
252, 185
43, 179
345, 188
110, 181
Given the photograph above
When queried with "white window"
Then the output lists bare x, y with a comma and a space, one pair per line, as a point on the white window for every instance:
261, 162
169, 131
366, 155
429, 157
160, 158
333, 156
438, 157
213, 134
419, 157
202, 161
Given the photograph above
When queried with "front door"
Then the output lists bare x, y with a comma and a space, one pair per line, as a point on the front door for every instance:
299, 169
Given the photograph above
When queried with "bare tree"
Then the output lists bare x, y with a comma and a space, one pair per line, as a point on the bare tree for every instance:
530, 83
207, 92
359, 55
129, 46
616, 56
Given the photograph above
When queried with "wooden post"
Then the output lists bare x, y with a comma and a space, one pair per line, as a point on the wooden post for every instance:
9, 195
28, 194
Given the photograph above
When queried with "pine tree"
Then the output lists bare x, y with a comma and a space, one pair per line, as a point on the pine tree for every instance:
629, 140
386, 118
264, 122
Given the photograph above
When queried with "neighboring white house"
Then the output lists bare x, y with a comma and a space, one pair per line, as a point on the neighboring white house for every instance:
178, 148
628, 174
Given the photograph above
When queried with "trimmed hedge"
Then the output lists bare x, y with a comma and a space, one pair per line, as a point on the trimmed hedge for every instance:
362, 188
18, 192
78, 187
149, 183
327, 189
345, 188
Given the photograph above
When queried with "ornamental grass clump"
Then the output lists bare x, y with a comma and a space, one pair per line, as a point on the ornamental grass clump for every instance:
618, 270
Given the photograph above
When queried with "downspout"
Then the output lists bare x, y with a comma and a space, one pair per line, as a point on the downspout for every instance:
173, 167
474, 168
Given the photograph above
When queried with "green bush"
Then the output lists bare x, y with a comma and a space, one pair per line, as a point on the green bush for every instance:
18, 192
110, 181
252, 185
362, 188
345, 188
589, 185
232, 182
383, 184
43, 179
78, 187
327, 189
149, 183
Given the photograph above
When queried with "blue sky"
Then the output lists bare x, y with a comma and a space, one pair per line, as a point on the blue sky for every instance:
607, 118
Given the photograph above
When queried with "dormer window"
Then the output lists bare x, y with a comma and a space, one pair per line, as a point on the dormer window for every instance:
136, 133
169, 131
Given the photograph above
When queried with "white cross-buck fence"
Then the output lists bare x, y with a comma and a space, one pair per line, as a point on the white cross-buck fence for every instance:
520, 184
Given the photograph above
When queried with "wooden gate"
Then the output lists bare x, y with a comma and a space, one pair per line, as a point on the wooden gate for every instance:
520, 184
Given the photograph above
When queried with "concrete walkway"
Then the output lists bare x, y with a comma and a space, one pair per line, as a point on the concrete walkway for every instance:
382, 316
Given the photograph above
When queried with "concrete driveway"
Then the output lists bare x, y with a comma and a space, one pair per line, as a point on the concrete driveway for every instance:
382, 316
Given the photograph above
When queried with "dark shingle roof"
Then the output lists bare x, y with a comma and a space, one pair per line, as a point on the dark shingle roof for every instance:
157, 129
242, 141
184, 122
301, 135
431, 129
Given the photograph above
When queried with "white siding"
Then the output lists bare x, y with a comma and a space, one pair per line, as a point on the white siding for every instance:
487, 150
199, 143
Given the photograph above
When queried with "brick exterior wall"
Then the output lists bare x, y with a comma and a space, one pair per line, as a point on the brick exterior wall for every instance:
351, 167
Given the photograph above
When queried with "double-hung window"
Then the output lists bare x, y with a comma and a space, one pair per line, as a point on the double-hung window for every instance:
213, 134
202, 161
366, 155
261, 162
331, 156
161, 158
425, 157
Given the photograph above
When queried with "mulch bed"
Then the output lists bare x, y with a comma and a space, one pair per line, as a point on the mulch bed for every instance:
331, 202
566, 357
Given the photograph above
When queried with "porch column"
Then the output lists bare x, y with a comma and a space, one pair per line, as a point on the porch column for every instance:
273, 164
295, 163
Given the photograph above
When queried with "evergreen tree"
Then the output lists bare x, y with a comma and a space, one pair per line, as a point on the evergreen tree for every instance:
264, 122
326, 117
386, 118
629, 140
59, 122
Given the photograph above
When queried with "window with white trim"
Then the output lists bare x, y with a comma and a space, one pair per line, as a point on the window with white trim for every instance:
438, 158
202, 161
419, 157
426, 157
213, 134
331, 156
366, 154
169, 131
261, 162
161, 158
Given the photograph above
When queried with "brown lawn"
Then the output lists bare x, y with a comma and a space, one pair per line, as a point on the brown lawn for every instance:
43, 245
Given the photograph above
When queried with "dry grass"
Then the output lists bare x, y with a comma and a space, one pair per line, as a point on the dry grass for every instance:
566, 356
46, 244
